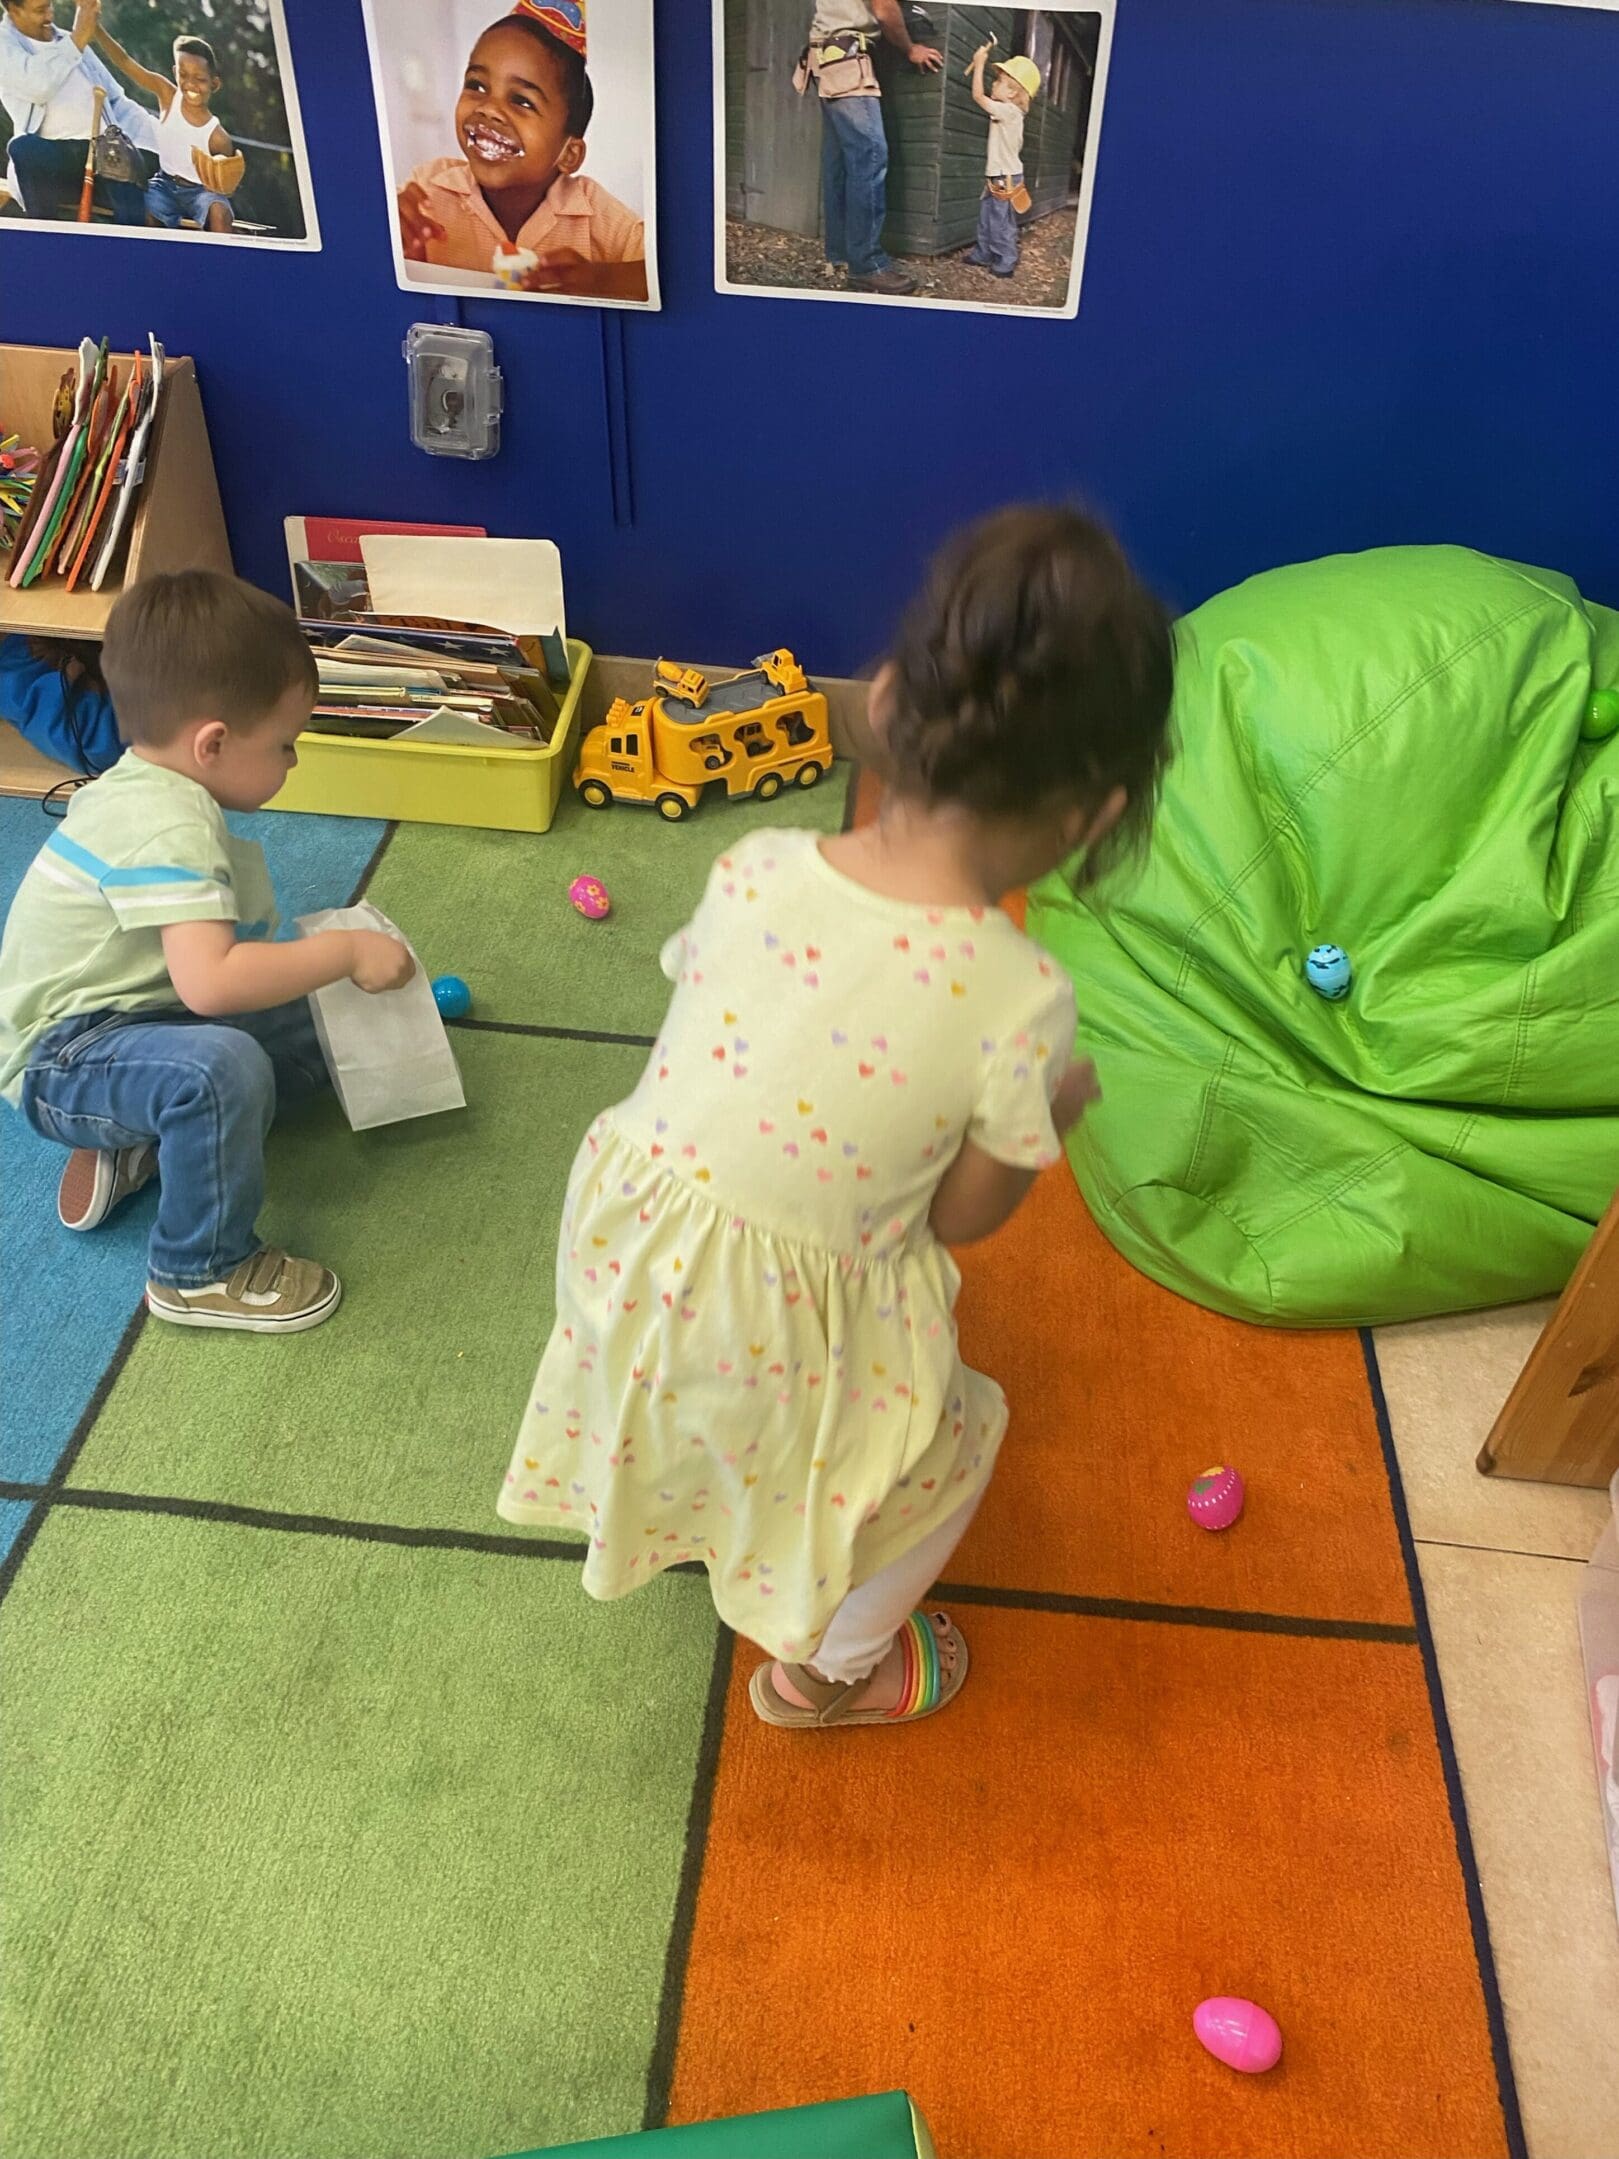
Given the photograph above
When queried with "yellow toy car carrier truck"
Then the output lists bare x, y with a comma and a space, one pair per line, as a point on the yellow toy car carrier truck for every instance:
763, 730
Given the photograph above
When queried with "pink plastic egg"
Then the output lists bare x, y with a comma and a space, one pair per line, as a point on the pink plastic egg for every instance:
1215, 1500
1238, 2033
589, 895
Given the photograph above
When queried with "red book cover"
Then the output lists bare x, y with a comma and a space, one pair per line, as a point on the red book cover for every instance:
337, 539
327, 568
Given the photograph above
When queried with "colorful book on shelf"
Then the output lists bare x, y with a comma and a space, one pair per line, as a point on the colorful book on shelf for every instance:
73, 466
72, 404
83, 499
132, 471
97, 440
44, 489
106, 476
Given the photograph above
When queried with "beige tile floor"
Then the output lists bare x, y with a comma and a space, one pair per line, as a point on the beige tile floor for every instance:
1501, 1569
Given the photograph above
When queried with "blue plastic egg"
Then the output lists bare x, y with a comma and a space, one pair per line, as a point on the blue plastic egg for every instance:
452, 996
1328, 972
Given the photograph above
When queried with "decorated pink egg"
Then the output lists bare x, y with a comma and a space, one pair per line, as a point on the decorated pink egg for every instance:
589, 895
1238, 2033
1215, 1499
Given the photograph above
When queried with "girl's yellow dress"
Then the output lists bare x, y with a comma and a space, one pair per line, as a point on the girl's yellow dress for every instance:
754, 1363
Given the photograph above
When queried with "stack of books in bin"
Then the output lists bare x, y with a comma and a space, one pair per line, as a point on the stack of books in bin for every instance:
437, 681
437, 677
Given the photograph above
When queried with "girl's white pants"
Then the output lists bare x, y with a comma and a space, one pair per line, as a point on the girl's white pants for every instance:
866, 1622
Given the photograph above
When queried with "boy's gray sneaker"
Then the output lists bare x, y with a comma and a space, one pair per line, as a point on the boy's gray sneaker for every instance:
96, 1182
271, 1293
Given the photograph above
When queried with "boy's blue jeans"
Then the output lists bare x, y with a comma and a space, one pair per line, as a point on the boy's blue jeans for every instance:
205, 1091
854, 168
168, 200
996, 247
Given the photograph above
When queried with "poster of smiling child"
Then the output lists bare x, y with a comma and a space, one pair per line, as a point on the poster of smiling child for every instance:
517, 147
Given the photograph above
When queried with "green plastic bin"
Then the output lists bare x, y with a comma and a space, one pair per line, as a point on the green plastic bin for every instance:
887, 2126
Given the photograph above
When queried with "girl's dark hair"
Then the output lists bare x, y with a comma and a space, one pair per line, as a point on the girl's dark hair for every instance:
576, 90
196, 48
1034, 668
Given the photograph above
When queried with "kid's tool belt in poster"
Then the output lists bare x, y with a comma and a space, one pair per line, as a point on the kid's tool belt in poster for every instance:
1012, 191
839, 66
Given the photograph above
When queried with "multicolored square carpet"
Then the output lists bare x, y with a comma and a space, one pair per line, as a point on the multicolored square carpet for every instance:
339, 1824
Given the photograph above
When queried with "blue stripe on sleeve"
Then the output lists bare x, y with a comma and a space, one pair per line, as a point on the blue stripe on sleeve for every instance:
104, 874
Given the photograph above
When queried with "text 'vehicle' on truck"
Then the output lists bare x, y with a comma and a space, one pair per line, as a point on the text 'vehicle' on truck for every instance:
759, 732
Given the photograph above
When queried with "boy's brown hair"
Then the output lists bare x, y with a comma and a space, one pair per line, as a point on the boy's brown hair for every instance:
200, 646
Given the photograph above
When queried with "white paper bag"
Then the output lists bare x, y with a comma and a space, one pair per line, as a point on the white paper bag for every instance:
388, 1054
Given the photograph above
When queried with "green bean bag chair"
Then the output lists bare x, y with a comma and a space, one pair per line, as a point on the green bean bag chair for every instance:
1412, 754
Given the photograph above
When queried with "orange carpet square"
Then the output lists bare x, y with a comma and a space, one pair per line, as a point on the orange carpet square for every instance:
1013, 1909
1121, 1392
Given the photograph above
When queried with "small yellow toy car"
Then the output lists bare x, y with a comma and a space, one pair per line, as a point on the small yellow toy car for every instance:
761, 731
688, 684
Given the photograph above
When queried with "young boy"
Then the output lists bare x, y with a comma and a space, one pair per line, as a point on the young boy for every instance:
140, 1023
199, 167
525, 104
1014, 85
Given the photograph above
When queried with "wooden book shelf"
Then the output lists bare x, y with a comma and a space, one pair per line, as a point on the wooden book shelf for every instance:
25, 770
177, 523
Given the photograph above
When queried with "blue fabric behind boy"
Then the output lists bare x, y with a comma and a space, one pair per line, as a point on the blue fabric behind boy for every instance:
61, 717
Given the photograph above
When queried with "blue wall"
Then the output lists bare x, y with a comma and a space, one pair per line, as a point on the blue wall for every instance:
1353, 278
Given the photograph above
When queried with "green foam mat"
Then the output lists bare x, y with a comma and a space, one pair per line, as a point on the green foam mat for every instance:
493, 906
324, 1849
404, 1407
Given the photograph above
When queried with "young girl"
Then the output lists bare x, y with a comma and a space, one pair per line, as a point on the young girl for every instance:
755, 1362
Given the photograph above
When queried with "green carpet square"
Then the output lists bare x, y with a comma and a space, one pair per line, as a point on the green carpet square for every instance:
493, 906
404, 1407
322, 1849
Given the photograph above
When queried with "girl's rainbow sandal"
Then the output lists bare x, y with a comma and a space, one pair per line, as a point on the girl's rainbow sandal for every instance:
928, 1684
